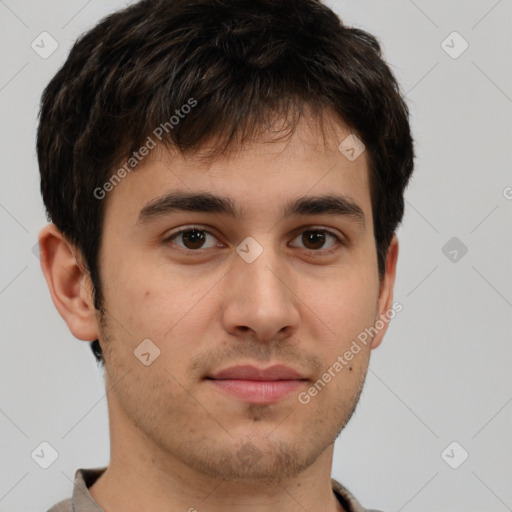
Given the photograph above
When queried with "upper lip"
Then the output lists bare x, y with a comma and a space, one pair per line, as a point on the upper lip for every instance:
248, 372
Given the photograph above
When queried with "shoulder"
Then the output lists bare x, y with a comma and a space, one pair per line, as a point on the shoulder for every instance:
81, 500
62, 506
346, 498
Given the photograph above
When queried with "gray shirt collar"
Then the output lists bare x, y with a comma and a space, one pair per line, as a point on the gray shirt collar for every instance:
82, 501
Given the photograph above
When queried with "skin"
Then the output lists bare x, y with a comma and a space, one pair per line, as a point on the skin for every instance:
175, 437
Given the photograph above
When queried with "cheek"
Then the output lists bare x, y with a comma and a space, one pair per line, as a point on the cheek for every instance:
347, 306
167, 309
143, 295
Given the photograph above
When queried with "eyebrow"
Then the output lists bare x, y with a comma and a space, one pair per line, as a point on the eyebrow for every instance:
205, 202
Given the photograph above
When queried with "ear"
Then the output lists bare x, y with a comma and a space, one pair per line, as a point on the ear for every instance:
385, 302
69, 283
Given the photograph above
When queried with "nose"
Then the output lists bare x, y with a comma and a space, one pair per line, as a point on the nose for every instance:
259, 299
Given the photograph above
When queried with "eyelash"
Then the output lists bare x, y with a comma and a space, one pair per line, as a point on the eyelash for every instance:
321, 252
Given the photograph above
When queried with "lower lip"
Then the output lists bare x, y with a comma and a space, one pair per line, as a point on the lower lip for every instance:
256, 391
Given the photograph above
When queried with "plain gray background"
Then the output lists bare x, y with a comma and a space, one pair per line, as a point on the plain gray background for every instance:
443, 372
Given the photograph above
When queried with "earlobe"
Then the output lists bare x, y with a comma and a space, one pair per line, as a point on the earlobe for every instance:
385, 302
69, 283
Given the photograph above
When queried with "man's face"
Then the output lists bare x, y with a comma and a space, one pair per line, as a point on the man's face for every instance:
297, 293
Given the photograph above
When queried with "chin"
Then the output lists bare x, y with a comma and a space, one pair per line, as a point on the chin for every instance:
259, 461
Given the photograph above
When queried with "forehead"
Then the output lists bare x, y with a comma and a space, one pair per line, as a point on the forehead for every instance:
272, 169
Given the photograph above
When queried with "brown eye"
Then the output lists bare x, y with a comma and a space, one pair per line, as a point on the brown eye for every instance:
317, 240
193, 239
313, 239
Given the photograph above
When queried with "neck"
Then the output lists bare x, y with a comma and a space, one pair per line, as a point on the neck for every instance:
163, 482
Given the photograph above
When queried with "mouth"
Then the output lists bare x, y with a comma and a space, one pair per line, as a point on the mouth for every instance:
257, 385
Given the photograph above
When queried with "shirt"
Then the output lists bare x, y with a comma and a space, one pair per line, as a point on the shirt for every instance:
82, 501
